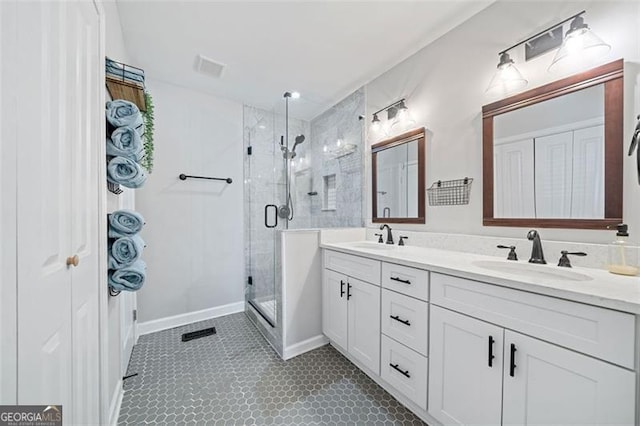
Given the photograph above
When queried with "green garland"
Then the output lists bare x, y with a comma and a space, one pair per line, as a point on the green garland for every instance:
147, 160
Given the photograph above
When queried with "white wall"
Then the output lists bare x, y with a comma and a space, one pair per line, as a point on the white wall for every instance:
445, 85
194, 228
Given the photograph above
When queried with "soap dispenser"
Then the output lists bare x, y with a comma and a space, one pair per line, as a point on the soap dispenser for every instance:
623, 257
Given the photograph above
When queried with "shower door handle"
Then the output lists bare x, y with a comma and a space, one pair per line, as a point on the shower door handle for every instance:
266, 215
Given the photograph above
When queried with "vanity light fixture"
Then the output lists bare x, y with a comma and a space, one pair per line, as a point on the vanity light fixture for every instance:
580, 46
397, 111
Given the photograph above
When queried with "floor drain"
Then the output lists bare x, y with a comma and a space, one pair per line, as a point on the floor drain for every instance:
198, 334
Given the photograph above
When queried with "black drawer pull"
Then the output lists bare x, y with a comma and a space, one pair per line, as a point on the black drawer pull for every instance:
404, 373
400, 280
349, 291
512, 366
341, 288
397, 318
491, 355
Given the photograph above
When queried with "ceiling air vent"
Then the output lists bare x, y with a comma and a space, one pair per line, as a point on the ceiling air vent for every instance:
209, 67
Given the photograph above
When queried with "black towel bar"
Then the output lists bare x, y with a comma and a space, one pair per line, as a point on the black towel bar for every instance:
182, 176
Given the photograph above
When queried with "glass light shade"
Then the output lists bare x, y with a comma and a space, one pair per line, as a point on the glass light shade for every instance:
403, 120
375, 123
507, 78
580, 48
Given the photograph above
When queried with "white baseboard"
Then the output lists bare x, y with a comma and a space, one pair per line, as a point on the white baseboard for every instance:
116, 403
304, 346
188, 318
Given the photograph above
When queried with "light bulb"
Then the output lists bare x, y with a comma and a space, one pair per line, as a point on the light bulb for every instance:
295, 95
580, 48
325, 148
375, 123
339, 142
507, 78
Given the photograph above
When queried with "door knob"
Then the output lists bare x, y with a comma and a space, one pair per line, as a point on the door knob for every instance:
73, 260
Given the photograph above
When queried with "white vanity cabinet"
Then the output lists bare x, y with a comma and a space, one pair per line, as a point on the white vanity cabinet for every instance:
459, 351
481, 372
351, 306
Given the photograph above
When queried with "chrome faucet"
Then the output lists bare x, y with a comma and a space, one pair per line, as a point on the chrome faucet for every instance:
537, 256
389, 234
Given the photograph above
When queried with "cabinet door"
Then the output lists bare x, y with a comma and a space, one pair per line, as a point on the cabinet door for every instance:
553, 385
334, 307
364, 323
465, 387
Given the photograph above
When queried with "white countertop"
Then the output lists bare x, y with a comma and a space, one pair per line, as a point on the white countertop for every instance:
603, 289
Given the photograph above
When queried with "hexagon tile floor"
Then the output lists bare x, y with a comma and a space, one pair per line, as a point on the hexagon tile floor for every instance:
235, 377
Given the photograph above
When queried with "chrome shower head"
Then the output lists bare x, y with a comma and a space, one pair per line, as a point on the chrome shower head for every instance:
299, 139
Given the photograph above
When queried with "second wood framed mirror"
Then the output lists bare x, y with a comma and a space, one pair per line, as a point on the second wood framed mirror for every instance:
552, 156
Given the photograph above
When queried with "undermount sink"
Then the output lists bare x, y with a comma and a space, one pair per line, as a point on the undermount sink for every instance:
532, 270
370, 245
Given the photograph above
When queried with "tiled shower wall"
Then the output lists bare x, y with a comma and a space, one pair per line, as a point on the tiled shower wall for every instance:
338, 123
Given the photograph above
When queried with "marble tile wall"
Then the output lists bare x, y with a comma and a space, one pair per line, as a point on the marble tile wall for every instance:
338, 123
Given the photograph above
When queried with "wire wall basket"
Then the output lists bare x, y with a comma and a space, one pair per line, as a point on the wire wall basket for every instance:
450, 192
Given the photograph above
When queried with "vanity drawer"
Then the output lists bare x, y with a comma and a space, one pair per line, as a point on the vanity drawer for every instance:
406, 320
600, 332
409, 375
355, 266
403, 279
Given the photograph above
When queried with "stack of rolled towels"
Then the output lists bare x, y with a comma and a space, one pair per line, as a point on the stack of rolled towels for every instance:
124, 145
127, 271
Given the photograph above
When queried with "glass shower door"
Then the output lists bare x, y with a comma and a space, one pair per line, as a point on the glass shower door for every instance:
264, 183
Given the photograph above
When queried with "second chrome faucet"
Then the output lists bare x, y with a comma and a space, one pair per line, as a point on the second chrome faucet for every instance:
389, 234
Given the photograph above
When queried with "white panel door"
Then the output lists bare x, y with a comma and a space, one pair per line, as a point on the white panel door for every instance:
43, 205
554, 171
465, 386
553, 385
83, 122
334, 307
513, 179
364, 323
587, 200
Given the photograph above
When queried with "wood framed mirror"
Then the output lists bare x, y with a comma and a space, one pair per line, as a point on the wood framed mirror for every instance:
552, 156
398, 174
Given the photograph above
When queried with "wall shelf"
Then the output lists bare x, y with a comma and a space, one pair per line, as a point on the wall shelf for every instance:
132, 92
341, 151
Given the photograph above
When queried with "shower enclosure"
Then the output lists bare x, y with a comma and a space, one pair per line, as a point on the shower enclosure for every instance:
273, 142
287, 164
